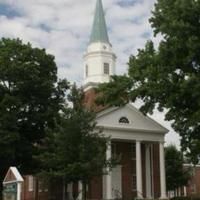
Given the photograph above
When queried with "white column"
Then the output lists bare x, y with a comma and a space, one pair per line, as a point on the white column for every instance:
185, 191
139, 170
70, 190
80, 190
148, 171
19, 190
162, 172
109, 175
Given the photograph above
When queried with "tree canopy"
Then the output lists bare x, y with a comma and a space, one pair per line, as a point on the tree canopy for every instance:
176, 175
30, 98
75, 151
167, 77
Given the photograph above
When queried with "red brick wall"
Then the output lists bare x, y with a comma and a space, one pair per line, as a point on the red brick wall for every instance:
95, 188
143, 170
128, 168
156, 170
194, 182
89, 101
123, 149
197, 179
35, 194
26, 194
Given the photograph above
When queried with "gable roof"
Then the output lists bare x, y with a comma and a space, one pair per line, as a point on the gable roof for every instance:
13, 175
110, 119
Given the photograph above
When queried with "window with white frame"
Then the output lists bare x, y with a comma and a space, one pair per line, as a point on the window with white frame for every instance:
106, 68
40, 186
30, 183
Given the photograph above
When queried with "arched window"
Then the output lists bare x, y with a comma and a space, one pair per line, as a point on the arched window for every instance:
123, 120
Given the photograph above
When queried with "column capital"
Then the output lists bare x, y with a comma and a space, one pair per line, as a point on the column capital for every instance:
162, 142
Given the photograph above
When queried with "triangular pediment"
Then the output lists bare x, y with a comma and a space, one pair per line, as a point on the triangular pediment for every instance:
12, 175
128, 118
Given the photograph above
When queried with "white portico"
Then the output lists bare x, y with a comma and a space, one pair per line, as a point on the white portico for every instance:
127, 125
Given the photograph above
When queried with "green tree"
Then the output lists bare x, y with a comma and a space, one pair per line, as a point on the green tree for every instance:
76, 150
168, 77
30, 98
176, 175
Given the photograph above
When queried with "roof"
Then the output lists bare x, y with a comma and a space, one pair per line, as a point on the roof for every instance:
99, 29
109, 119
13, 175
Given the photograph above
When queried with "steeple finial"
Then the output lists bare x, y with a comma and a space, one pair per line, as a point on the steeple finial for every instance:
99, 29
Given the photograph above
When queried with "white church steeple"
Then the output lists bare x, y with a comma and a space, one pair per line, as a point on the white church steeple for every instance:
99, 59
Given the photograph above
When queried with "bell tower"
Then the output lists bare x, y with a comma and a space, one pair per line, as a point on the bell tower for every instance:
99, 59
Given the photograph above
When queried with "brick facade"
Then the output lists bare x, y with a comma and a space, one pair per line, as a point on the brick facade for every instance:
156, 171
128, 163
31, 189
89, 101
193, 187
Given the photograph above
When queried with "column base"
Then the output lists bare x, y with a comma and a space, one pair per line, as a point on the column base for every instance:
164, 198
139, 198
149, 197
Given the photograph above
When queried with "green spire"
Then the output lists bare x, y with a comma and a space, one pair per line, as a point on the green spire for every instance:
99, 29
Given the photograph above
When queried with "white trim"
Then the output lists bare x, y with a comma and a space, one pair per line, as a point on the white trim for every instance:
162, 172
8, 182
80, 190
161, 129
139, 170
99, 53
31, 183
131, 129
191, 165
19, 190
16, 174
132, 136
184, 191
109, 173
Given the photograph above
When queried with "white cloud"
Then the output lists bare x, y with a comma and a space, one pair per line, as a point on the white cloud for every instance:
63, 28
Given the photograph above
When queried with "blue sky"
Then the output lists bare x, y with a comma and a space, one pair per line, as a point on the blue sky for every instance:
63, 27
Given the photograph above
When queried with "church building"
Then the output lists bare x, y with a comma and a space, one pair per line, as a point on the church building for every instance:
138, 139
